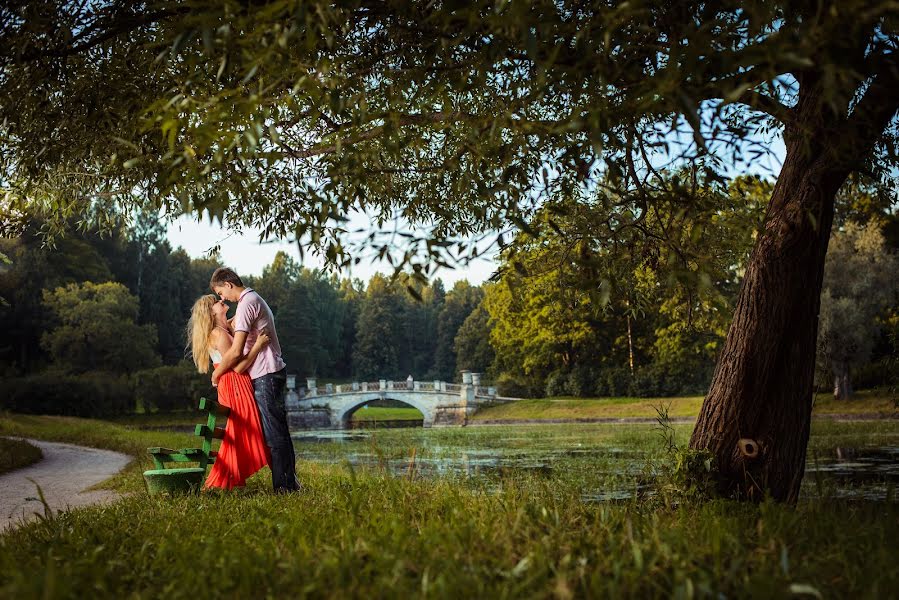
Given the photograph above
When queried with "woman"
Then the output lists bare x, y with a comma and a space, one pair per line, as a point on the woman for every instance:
243, 450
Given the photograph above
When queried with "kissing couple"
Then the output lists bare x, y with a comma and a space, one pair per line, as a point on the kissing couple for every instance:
251, 376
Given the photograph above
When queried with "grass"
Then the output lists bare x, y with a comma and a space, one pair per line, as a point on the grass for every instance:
15, 454
589, 408
360, 532
383, 413
873, 402
878, 402
161, 420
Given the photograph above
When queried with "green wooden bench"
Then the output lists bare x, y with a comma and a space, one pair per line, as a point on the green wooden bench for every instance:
170, 480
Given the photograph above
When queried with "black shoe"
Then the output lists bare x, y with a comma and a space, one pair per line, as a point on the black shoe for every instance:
295, 489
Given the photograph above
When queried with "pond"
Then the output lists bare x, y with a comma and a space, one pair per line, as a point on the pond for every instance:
601, 461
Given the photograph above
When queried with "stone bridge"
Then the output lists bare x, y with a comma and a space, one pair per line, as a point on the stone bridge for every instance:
440, 403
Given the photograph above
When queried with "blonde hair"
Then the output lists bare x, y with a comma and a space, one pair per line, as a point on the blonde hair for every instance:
199, 330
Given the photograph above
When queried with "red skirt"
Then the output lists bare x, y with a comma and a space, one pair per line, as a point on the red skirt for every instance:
243, 450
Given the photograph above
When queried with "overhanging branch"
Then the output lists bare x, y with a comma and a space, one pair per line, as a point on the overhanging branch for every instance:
768, 105
872, 114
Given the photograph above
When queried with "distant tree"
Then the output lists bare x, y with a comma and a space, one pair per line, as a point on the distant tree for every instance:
95, 328
472, 343
34, 267
351, 293
298, 330
327, 313
576, 299
160, 300
460, 302
418, 324
378, 334
147, 237
276, 281
201, 270
860, 281
545, 320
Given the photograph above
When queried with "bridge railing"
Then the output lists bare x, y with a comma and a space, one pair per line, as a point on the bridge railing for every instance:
402, 385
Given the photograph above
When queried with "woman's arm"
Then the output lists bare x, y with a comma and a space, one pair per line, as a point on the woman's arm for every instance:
244, 364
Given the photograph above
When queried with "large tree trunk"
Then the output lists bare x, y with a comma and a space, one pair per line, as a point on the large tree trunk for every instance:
755, 419
842, 387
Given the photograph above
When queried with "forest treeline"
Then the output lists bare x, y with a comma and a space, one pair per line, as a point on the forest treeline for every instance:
97, 322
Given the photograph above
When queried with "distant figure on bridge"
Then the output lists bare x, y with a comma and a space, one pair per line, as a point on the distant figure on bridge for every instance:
409, 381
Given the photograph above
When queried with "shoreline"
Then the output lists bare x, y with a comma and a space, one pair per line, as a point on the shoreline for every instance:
647, 420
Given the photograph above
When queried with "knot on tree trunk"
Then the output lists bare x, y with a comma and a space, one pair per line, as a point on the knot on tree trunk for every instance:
749, 448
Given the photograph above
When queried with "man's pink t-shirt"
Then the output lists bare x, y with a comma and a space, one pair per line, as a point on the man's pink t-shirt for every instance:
253, 316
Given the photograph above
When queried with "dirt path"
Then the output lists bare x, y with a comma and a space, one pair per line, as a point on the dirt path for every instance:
64, 474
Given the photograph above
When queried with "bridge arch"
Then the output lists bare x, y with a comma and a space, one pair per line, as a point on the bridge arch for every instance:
343, 407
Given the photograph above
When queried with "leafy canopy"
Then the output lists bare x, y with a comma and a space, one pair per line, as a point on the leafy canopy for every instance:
461, 117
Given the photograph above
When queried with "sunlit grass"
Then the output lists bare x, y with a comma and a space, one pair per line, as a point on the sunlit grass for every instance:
383, 413
590, 408
871, 402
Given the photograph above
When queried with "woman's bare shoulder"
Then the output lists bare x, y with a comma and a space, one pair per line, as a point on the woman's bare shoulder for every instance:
218, 339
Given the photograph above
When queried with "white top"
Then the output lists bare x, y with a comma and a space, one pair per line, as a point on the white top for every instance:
214, 354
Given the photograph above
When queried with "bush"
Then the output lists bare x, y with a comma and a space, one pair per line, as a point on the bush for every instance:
648, 381
168, 388
578, 382
557, 384
880, 373
581, 382
93, 394
613, 382
510, 386
652, 380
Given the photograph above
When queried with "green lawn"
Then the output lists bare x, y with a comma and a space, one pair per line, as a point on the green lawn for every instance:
864, 402
15, 454
162, 420
382, 413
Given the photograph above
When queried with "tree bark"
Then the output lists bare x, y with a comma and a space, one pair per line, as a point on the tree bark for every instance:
763, 383
842, 386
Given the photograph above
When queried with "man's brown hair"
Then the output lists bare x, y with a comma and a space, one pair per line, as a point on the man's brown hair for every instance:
224, 275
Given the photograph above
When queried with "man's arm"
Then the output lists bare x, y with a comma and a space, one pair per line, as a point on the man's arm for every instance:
231, 357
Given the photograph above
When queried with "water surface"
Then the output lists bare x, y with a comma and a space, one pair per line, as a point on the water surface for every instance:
603, 462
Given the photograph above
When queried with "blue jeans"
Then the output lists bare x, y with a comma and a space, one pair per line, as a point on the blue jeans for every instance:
269, 392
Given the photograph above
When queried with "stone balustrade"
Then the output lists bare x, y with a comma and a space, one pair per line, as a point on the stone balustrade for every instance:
468, 380
440, 402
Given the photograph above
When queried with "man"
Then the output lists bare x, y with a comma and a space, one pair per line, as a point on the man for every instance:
268, 371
